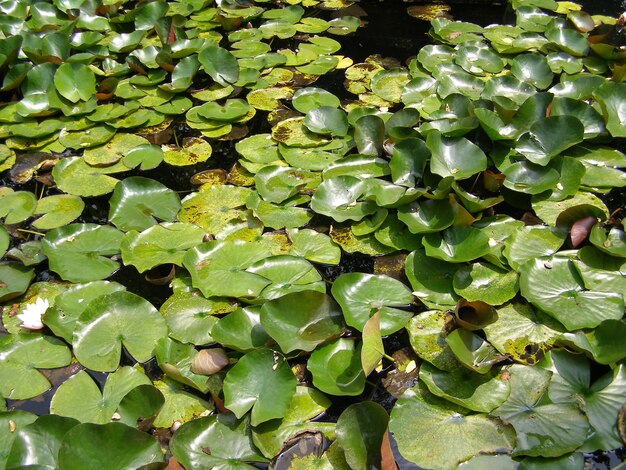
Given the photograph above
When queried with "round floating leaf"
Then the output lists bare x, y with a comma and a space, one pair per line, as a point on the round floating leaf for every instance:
231, 110
58, 210
5, 239
17, 206
472, 351
605, 341
73, 176
11, 423
301, 320
360, 431
457, 244
38, 443
261, 381
478, 392
195, 150
431, 279
20, 355
549, 137
611, 98
613, 242
292, 133
532, 68
112, 320
306, 99
554, 287
241, 330
427, 335
485, 282
227, 439
338, 198
314, 246
78, 252
478, 60
362, 295
119, 146
369, 133
427, 215
278, 183
526, 177
336, 368
522, 332
218, 268
528, 243
15, 279
307, 403
288, 274
62, 316
455, 156
160, 244
327, 120
137, 202
389, 84
424, 428
190, 317
80, 398
548, 430
75, 81
220, 64
97, 444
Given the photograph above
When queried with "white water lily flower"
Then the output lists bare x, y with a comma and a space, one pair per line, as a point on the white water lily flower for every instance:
31, 315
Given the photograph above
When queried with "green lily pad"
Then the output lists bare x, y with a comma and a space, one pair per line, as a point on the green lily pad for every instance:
427, 215
527, 177
529, 243
338, 198
112, 320
472, 351
314, 246
80, 398
288, 274
307, 403
58, 210
261, 381
69, 305
74, 176
336, 368
278, 183
190, 317
301, 320
601, 400
427, 335
293, 133
362, 295
137, 202
611, 98
532, 68
175, 360
17, 206
478, 392
485, 282
522, 332
21, 355
219, 268
75, 82
160, 244
241, 330
38, 443
194, 150
180, 405
11, 423
549, 137
227, 439
431, 278
306, 99
369, 133
215, 207
546, 430
454, 156
132, 448
457, 244
360, 431
327, 120
231, 110
478, 59
613, 242
605, 343
78, 252
553, 286
114, 150
423, 426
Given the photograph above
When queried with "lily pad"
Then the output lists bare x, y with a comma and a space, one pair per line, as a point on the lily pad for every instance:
553, 286
112, 320
431, 278
136, 203
227, 439
362, 295
336, 368
261, 381
301, 320
96, 443
58, 210
21, 354
80, 398
422, 427
79, 252
454, 156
